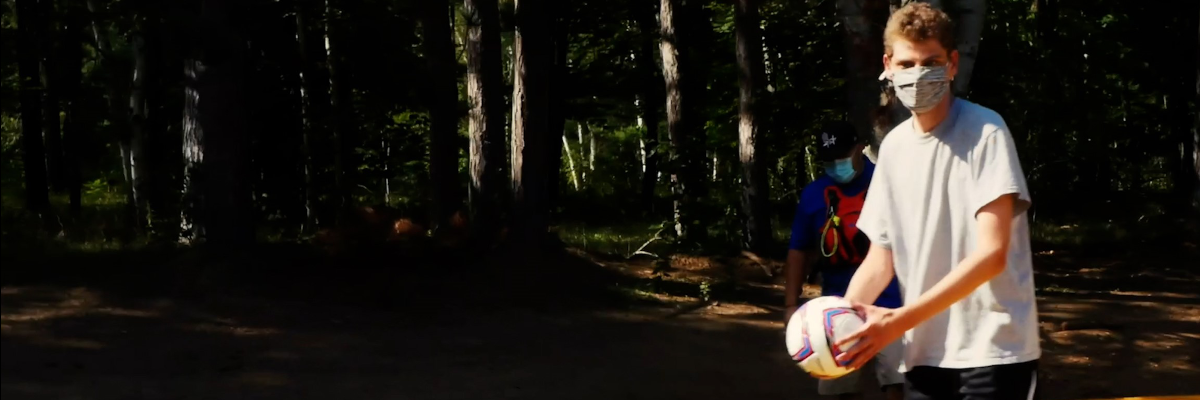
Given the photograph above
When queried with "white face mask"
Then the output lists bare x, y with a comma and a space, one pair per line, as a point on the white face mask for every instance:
920, 89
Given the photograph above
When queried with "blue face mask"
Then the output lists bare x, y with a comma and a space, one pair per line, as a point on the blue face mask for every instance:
841, 170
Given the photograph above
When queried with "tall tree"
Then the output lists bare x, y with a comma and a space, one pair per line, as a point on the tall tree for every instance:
862, 21
1196, 125
684, 90
51, 80
37, 197
139, 166
755, 183
216, 207
558, 118
343, 127
192, 205
486, 124
117, 91
443, 91
314, 103
158, 148
1179, 81
649, 100
71, 81
532, 47
969, 17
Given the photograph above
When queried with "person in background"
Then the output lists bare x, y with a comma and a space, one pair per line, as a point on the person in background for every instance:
825, 236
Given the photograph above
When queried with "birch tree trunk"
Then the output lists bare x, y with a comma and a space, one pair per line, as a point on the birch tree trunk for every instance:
531, 119
314, 104
486, 124
570, 162
591, 150
684, 92
756, 229
217, 207
649, 101
192, 203
138, 166
583, 165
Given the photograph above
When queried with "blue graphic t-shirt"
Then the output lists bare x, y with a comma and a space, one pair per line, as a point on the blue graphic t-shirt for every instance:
811, 216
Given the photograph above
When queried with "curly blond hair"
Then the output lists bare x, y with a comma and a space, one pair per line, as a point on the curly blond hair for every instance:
918, 22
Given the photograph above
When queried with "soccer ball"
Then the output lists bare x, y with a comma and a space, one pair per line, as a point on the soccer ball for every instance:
813, 330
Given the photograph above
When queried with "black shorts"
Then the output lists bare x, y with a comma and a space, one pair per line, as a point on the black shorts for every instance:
997, 382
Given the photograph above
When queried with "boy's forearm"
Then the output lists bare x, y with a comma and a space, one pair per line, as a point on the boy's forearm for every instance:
971, 273
794, 276
988, 260
872, 276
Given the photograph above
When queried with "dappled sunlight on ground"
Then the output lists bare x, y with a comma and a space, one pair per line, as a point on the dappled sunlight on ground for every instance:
86, 343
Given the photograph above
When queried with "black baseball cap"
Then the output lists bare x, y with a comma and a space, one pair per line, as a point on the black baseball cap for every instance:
835, 140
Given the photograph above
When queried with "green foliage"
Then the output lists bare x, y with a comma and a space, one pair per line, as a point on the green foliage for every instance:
1099, 102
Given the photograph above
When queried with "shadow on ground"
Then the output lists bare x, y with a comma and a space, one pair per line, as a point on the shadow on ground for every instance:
297, 326
285, 322
1120, 321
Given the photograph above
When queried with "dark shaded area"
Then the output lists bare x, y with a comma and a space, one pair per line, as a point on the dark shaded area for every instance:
313, 155
287, 322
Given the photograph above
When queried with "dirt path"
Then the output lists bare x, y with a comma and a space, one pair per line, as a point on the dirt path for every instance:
82, 343
74, 346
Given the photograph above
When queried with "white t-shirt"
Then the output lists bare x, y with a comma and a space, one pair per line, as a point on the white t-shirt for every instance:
924, 196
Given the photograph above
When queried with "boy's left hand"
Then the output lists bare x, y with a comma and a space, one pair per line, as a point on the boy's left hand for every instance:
883, 326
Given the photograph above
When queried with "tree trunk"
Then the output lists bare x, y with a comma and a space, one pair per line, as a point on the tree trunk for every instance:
756, 233
863, 22
558, 117
51, 80
192, 205
650, 99
386, 147
443, 155
684, 89
969, 17
72, 79
118, 113
570, 162
344, 137
1049, 142
158, 146
37, 197
715, 163
314, 103
531, 117
591, 150
1195, 142
485, 83
139, 167
673, 52
217, 207
52, 128
583, 167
